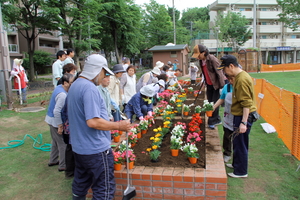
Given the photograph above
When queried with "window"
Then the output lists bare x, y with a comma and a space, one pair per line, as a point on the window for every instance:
173, 54
242, 9
264, 23
262, 9
293, 36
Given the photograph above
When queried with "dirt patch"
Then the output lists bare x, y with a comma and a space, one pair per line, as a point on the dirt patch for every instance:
11, 121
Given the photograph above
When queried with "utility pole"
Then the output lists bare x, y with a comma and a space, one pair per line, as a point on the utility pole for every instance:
254, 24
191, 27
174, 22
5, 62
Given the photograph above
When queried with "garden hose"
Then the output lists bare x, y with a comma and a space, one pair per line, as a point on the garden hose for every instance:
38, 139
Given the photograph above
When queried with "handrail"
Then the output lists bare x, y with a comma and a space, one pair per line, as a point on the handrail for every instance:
20, 89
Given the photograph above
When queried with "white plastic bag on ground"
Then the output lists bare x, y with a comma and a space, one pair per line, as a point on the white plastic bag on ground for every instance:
268, 128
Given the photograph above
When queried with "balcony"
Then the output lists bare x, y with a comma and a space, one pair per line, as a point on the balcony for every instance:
268, 14
13, 48
268, 28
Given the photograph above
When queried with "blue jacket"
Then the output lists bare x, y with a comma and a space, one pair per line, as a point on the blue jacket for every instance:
135, 104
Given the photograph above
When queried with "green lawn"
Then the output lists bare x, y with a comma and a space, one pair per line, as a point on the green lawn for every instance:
287, 80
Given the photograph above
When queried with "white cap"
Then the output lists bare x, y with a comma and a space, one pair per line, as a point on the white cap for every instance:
161, 83
93, 66
159, 64
18, 61
147, 90
156, 70
192, 65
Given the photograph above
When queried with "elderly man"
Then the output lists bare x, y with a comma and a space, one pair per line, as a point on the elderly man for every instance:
243, 109
90, 132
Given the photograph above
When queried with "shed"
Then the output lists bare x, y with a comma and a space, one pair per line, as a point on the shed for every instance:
175, 53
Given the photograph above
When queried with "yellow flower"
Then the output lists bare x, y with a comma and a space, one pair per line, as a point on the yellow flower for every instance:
167, 122
179, 105
168, 118
178, 100
156, 140
154, 147
152, 138
148, 149
155, 130
157, 135
159, 128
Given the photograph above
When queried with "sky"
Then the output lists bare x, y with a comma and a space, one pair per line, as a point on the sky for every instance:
180, 4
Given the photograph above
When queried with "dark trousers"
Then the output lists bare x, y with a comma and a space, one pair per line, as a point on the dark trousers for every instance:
193, 81
213, 96
70, 161
227, 144
240, 144
95, 171
130, 113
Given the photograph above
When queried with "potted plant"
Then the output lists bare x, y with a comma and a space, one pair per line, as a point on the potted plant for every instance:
154, 154
198, 109
208, 108
116, 135
143, 125
191, 152
190, 89
176, 143
118, 160
193, 138
186, 109
131, 157
132, 138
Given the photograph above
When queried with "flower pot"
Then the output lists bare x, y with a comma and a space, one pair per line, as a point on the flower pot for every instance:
118, 167
174, 152
209, 113
120, 132
154, 161
133, 144
144, 131
192, 160
139, 135
131, 165
195, 95
185, 113
117, 138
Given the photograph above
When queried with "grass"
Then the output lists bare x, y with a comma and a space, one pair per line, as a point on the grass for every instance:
287, 80
271, 170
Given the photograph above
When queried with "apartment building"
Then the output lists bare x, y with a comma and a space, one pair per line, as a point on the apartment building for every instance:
277, 43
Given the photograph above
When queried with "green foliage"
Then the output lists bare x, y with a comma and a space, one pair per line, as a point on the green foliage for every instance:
290, 13
233, 28
154, 154
40, 60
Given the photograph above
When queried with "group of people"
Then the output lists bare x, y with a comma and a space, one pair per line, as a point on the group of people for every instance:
87, 105
240, 106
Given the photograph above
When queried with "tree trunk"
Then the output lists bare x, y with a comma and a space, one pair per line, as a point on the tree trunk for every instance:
31, 48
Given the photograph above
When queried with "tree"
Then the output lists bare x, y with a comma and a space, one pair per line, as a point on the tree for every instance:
290, 14
122, 32
157, 25
233, 28
31, 18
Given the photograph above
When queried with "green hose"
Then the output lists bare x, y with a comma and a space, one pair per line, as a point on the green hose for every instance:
38, 140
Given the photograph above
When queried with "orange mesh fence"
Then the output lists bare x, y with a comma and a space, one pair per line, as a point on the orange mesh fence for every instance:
280, 108
280, 67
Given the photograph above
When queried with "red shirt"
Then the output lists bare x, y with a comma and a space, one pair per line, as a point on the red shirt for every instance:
205, 72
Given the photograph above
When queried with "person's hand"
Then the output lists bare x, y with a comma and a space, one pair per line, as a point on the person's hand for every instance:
141, 118
243, 128
60, 129
124, 125
149, 113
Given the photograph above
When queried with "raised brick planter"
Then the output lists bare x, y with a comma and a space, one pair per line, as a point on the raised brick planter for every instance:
179, 183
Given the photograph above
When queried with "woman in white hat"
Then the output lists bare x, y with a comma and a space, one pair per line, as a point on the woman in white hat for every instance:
19, 71
193, 72
148, 78
141, 103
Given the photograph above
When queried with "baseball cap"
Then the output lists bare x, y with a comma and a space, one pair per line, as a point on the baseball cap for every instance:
227, 60
93, 66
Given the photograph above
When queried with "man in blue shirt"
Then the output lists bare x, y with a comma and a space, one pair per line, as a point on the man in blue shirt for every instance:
90, 132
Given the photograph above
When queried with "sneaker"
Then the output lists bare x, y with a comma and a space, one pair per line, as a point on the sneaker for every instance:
211, 126
229, 166
237, 176
52, 164
218, 123
226, 158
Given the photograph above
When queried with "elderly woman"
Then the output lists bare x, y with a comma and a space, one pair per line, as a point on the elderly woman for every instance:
128, 84
148, 78
141, 103
193, 69
21, 82
54, 120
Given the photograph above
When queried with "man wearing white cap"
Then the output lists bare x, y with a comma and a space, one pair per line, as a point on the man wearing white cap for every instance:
90, 132
148, 78
141, 103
